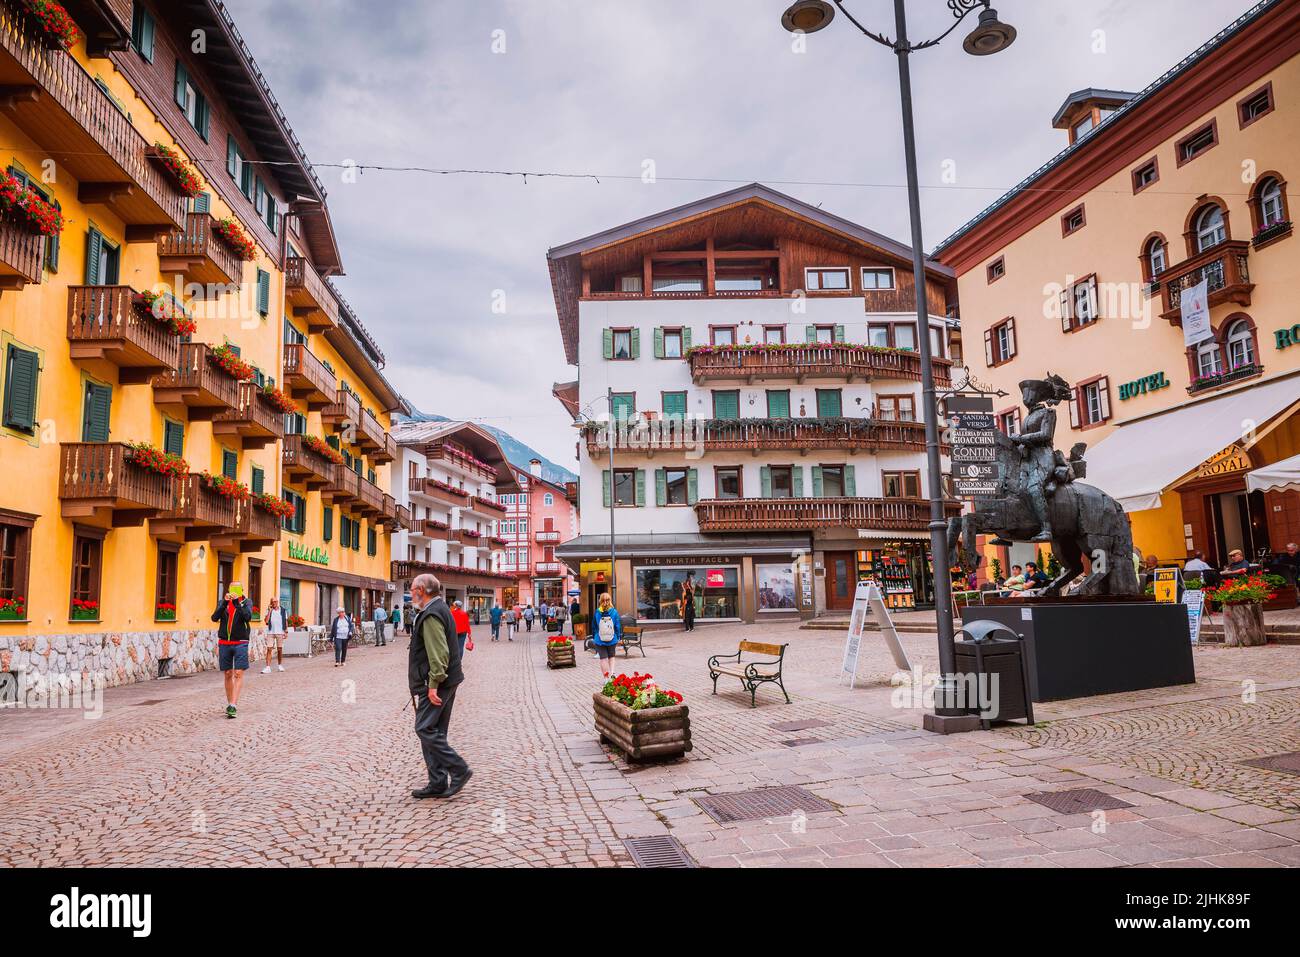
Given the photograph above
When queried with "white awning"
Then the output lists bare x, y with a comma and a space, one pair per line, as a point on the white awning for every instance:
1139, 460
1278, 477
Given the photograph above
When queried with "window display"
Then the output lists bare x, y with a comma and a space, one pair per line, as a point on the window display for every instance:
776, 591
659, 592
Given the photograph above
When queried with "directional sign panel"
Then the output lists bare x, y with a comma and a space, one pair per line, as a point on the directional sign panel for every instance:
974, 455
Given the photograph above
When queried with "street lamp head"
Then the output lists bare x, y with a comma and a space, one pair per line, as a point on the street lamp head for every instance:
808, 16
991, 35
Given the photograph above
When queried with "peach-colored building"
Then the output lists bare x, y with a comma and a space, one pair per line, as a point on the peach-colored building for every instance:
539, 518
1081, 270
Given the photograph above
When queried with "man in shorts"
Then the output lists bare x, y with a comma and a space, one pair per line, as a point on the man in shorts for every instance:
275, 632
232, 616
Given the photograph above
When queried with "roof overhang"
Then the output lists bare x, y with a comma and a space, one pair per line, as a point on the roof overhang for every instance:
1092, 96
482, 443
567, 393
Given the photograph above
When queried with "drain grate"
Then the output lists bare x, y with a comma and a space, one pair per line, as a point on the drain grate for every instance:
1288, 763
1078, 801
800, 742
761, 803
658, 851
800, 725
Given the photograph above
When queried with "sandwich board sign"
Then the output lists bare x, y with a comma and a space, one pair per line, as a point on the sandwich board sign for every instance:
867, 600
1195, 602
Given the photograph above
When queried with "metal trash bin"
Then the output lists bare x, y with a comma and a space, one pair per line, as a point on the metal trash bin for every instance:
991, 649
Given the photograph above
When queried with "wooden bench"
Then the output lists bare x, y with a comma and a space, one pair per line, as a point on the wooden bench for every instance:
631, 639
751, 673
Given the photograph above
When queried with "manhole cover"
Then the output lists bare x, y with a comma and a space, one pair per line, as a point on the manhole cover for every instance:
800, 742
658, 851
1078, 801
1288, 763
799, 725
761, 803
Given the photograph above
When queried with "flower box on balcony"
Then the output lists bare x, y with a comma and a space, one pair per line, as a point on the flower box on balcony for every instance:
1209, 382
643, 733
181, 173
559, 653
1271, 232
55, 27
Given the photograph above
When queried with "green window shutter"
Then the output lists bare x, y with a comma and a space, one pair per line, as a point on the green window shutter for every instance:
828, 404
327, 523
606, 489
796, 489
203, 203
636, 343
607, 343
94, 249
640, 487
839, 333
113, 263
203, 116
96, 414
356, 535
370, 476
344, 531
272, 214
661, 487
300, 514
142, 32
53, 244
173, 438
850, 482
263, 291
229, 464
259, 195
810, 334
692, 486
22, 369
674, 404
686, 339
182, 78
726, 405
372, 544
232, 156
624, 405
659, 342
817, 481
765, 481
778, 404
259, 481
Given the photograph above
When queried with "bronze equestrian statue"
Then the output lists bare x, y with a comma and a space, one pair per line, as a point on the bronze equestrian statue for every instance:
1039, 499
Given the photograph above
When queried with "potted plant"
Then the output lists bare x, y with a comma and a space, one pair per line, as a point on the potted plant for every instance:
152, 459
85, 610
580, 625
641, 718
22, 206
296, 621
228, 361
278, 399
225, 487
164, 611
559, 652
165, 309
273, 504
181, 172
233, 236
1242, 598
58, 29
13, 609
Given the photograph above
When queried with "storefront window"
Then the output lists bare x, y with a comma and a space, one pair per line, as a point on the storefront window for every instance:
659, 592
775, 588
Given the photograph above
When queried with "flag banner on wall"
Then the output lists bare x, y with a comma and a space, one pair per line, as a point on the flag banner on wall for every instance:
1196, 313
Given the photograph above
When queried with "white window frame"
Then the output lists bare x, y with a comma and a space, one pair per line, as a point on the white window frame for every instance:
1240, 336
1209, 350
1219, 231
1270, 204
893, 280
548, 499
808, 276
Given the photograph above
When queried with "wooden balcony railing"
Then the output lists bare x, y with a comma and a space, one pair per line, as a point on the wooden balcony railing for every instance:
56, 102
454, 575
370, 434
199, 254
307, 379
106, 23
385, 453
430, 488
344, 411
431, 528
198, 513
254, 420
466, 536
840, 360
486, 505
309, 296
198, 384
755, 435
105, 322
97, 482
342, 487
548, 568
303, 464
461, 459
1227, 270
254, 529
402, 517
546, 538
370, 497
802, 514
22, 256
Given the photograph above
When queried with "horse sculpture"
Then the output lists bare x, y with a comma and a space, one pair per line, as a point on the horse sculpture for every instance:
1039, 500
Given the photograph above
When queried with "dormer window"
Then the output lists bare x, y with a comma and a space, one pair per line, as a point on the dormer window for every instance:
1082, 128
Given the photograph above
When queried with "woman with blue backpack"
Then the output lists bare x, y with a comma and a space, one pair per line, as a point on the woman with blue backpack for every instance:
606, 632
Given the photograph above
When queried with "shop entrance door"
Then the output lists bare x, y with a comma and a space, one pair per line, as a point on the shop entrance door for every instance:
1240, 521
841, 580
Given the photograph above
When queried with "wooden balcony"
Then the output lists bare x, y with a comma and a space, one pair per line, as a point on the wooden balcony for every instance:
57, 103
343, 412
305, 466
841, 361
96, 482
105, 322
546, 538
431, 528
462, 460
370, 499
548, 568
199, 254
385, 453
759, 435
254, 420
106, 23
254, 529
370, 434
309, 296
804, 514
486, 506
198, 514
341, 489
466, 536
453, 576
22, 256
435, 490
402, 517
307, 379
198, 384
1225, 267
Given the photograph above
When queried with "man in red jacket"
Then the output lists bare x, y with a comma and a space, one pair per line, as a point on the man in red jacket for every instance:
459, 616
232, 615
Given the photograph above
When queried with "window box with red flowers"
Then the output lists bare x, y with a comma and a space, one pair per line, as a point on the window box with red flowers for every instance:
273, 504
181, 172
225, 359
21, 206
642, 719
166, 309
230, 233
164, 611
13, 609
55, 26
279, 400
153, 459
85, 610
559, 653
225, 486
321, 447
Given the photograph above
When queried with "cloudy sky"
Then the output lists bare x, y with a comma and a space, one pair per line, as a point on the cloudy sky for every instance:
711, 93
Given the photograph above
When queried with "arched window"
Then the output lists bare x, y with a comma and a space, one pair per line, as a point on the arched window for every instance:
548, 499
1155, 257
1271, 210
1240, 345
1210, 229
1209, 361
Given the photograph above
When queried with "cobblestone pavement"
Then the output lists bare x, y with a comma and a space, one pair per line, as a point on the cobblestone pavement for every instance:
316, 770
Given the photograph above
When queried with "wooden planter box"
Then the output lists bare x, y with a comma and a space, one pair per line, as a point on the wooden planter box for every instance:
652, 733
560, 656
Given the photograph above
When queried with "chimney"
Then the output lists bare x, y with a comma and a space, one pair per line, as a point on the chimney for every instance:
535, 467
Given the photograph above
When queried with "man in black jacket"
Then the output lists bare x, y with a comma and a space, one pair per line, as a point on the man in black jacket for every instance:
232, 616
433, 675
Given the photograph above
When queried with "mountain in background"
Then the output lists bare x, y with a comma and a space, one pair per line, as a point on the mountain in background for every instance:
517, 453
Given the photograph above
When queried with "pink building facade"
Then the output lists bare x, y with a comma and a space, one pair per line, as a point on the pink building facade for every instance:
538, 519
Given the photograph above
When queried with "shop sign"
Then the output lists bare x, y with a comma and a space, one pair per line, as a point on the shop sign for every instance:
715, 578
1285, 338
1232, 459
1166, 586
975, 470
1195, 602
317, 556
1150, 383
690, 561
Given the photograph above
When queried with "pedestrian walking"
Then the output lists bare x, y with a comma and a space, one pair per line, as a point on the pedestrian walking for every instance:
529, 614
341, 633
495, 614
688, 602
544, 612
381, 619
433, 675
232, 614
575, 609
396, 620
275, 631
606, 632
463, 635
511, 624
